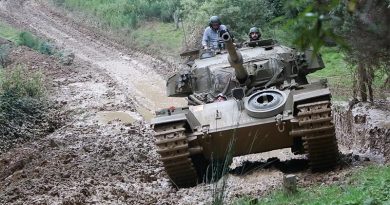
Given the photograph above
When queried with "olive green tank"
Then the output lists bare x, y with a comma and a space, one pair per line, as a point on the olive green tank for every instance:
257, 97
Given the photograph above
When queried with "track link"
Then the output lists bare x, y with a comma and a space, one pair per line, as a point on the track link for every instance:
318, 134
172, 145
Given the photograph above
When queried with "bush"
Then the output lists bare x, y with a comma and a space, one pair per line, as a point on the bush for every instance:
29, 40
33, 42
24, 109
18, 84
47, 48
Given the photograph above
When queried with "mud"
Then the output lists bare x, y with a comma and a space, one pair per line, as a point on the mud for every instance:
107, 117
104, 153
364, 129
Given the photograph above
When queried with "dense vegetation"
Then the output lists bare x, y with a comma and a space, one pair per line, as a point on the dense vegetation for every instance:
304, 24
369, 185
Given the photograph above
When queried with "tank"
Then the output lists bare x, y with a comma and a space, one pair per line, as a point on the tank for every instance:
243, 101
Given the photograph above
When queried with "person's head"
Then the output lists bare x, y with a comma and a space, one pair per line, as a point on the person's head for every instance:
215, 22
254, 34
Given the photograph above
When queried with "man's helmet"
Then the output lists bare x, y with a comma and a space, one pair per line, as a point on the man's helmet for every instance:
254, 30
214, 19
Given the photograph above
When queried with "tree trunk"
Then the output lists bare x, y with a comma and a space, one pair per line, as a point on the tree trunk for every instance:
369, 84
176, 18
362, 82
355, 86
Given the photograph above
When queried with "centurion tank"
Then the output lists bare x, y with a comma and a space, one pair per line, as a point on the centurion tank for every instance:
257, 97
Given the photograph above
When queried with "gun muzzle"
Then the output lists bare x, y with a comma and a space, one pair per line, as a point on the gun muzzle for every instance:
235, 58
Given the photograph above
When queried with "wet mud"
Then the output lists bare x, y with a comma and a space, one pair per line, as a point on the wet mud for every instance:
105, 153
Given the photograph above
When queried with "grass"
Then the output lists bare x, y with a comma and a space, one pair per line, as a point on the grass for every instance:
336, 69
9, 33
337, 72
116, 14
370, 185
19, 83
28, 39
160, 37
31, 41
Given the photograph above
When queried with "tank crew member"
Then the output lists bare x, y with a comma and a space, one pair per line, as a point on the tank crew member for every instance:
254, 34
212, 33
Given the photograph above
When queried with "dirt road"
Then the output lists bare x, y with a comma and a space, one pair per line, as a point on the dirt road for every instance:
136, 77
95, 158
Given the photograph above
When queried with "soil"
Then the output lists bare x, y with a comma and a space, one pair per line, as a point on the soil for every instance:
104, 153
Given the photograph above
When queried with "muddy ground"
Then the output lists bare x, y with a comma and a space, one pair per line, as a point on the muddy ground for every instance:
104, 152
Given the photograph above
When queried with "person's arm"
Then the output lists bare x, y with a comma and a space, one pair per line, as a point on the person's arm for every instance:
205, 38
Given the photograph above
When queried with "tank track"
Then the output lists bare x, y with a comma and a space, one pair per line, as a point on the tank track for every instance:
316, 128
172, 145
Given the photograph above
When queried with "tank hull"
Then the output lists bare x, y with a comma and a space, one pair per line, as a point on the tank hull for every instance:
213, 131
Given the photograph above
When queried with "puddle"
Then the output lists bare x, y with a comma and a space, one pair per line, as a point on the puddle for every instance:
108, 116
145, 113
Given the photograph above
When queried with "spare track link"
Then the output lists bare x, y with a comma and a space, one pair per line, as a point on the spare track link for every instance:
172, 145
318, 134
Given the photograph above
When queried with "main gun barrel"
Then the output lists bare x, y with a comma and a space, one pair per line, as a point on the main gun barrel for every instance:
235, 58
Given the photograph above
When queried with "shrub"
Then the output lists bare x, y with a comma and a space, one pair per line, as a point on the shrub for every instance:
47, 48
29, 40
33, 42
24, 109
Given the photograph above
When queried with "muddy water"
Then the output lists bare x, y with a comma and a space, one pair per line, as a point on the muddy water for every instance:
109, 116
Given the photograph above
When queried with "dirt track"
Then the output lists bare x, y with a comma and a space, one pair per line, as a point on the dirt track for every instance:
93, 159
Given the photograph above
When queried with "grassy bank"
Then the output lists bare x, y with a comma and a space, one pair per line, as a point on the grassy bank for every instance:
23, 38
159, 37
370, 185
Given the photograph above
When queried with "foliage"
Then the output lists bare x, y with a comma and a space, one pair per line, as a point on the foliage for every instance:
302, 24
370, 185
17, 84
33, 42
240, 16
9, 33
124, 13
23, 106
219, 171
166, 40
366, 31
359, 27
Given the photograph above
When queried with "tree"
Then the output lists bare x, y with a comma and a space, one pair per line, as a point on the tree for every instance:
359, 26
367, 33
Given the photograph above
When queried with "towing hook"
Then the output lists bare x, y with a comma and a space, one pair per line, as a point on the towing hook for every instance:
279, 123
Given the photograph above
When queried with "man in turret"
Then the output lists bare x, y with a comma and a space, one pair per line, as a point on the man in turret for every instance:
254, 34
211, 34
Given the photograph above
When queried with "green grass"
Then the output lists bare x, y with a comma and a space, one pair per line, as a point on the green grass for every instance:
336, 69
160, 37
370, 185
337, 72
9, 33
31, 41
26, 39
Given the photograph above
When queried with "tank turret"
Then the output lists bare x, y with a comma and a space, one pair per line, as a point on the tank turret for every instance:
235, 58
